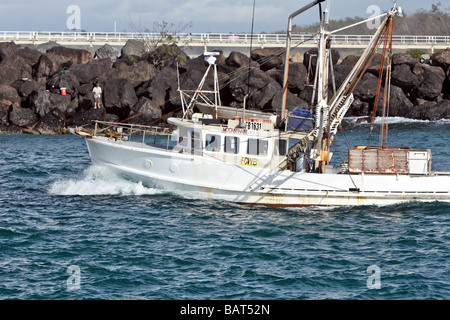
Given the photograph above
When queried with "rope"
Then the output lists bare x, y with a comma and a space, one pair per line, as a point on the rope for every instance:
387, 93
380, 78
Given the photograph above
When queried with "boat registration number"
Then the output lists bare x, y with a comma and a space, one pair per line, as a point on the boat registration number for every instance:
246, 161
253, 125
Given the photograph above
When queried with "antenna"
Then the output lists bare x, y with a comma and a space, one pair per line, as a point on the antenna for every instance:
327, 10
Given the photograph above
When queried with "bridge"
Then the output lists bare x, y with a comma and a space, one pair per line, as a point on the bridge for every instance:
300, 40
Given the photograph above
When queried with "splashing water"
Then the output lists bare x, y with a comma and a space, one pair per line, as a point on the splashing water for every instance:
97, 180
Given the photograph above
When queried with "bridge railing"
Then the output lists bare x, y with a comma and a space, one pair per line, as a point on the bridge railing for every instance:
205, 38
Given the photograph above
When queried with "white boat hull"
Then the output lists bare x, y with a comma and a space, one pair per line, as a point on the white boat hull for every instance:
199, 176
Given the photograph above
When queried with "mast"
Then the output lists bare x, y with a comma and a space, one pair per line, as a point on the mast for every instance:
210, 58
329, 114
288, 51
322, 109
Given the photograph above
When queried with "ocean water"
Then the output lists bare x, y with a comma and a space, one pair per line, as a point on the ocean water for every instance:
72, 230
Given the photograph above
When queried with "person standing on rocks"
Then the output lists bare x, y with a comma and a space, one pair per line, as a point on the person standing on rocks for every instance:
97, 95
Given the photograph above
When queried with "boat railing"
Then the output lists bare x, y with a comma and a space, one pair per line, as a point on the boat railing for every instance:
157, 136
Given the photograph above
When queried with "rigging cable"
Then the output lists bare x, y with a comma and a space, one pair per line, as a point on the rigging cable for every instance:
251, 48
380, 78
232, 76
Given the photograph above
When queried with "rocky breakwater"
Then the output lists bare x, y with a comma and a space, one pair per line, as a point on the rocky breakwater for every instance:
142, 87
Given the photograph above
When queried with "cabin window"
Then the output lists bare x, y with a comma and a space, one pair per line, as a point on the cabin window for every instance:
196, 141
232, 145
280, 147
183, 137
212, 142
257, 146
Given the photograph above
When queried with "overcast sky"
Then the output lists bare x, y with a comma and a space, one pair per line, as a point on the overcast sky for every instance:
205, 15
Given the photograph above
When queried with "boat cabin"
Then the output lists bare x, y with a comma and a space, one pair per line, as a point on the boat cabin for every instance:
253, 142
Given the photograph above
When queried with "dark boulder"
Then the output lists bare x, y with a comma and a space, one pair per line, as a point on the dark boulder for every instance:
31, 56
9, 96
446, 89
22, 117
276, 74
430, 88
85, 89
133, 48
145, 112
137, 73
119, 97
442, 59
431, 110
49, 65
419, 111
4, 115
341, 71
7, 50
400, 58
85, 102
10, 129
44, 47
432, 81
53, 122
43, 101
310, 59
5, 106
359, 108
296, 77
350, 61
13, 68
67, 80
403, 77
399, 104
158, 89
292, 101
25, 87
196, 64
307, 94
253, 84
78, 56
86, 117
422, 71
367, 87
107, 51
263, 98
375, 65
269, 58
238, 59
190, 80
90, 71
442, 110
261, 89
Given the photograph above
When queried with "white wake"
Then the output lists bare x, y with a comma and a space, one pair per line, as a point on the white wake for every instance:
97, 180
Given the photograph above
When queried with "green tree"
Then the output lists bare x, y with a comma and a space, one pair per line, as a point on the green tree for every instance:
165, 42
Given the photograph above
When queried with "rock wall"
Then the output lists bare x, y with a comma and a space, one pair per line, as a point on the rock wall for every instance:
139, 90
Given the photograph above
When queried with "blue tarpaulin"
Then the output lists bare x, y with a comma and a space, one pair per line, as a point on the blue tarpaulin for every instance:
300, 119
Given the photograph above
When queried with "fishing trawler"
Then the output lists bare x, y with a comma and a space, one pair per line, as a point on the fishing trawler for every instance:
282, 159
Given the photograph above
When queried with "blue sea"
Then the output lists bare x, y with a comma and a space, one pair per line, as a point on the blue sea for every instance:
70, 230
